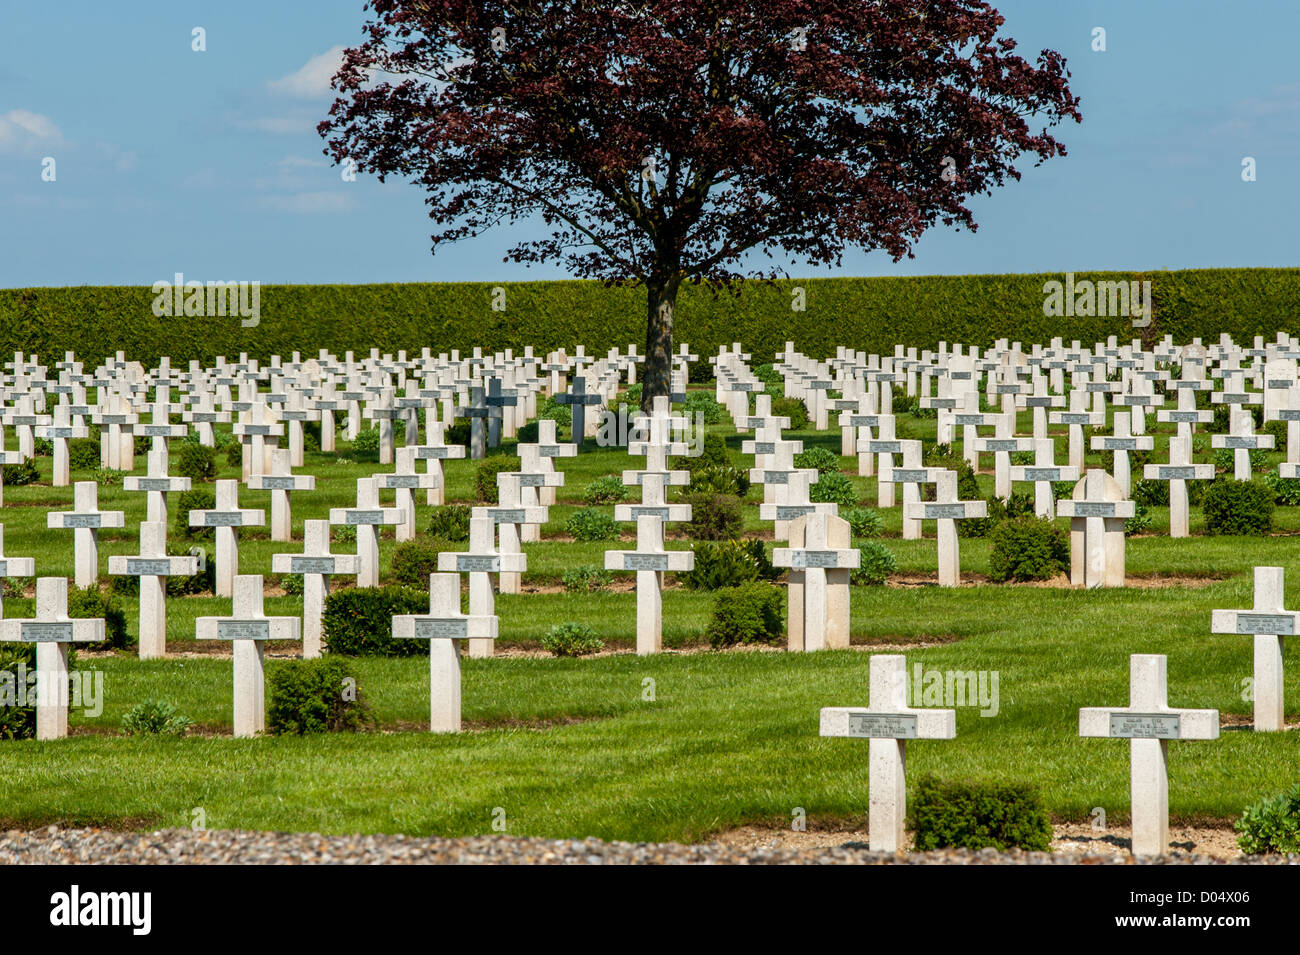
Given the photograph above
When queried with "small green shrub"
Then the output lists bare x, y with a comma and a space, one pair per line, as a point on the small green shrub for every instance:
17, 666
609, 489
586, 579
719, 479
751, 613
155, 718
1151, 493
978, 816
590, 524
90, 602
834, 488
714, 516
83, 454
316, 696
864, 522
358, 621
704, 405
1286, 491
1139, 523
768, 374
24, 472
107, 477
826, 462
1028, 548
552, 410
875, 565
451, 522
198, 462
528, 433
42, 447
365, 446
1238, 507
571, 640
1225, 460
485, 475
1271, 825
414, 560
791, 408
728, 563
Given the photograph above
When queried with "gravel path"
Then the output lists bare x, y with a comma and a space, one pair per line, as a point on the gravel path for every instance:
94, 846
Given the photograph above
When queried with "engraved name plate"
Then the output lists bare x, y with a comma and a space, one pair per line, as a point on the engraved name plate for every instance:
158, 566
1144, 725
1093, 509
942, 511
46, 633
153, 484
311, 565
243, 630
645, 561
1041, 474
814, 558
1176, 472
364, 517
82, 520
466, 563
1280, 625
882, 725
277, 482
426, 629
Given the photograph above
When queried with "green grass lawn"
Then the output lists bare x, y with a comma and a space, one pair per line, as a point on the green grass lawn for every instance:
670, 747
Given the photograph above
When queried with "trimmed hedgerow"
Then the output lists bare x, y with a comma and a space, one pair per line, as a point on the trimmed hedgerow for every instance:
976, 815
1028, 548
1238, 507
750, 613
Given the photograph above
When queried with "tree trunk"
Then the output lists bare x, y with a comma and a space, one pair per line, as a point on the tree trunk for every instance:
661, 303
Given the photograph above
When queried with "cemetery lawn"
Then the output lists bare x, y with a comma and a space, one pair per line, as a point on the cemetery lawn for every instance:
571, 748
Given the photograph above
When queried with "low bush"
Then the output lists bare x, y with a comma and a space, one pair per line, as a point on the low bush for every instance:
791, 408
875, 564
83, 454
571, 640
703, 405
414, 560
1286, 491
826, 462
24, 472
1028, 548
155, 718
834, 487
1271, 825
1151, 493
198, 462
485, 475
609, 489
728, 563
719, 479
586, 579
714, 516
978, 816
450, 522
590, 524
90, 602
358, 621
864, 522
1139, 523
316, 696
195, 499
1225, 460
751, 613
1238, 507
365, 446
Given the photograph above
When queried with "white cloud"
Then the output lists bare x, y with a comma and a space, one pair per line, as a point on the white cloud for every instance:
312, 80
311, 202
22, 131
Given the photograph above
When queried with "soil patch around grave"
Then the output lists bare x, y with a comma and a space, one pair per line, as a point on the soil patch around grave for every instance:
1068, 839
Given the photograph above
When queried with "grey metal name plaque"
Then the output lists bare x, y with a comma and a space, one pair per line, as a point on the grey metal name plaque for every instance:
364, 517
1093, 509
911, 476
1001, 444
223, 519
243, 629
776, 477
1144, 725
645, 561
153, 484
1042, 474
37, 632
864, 420
404, 480
155, 430
1120, 444
532, 480
944, 511
971, 420
882, 725
311, 565
550, 450
884, 447
764, 447
53, 432
508, 515
471, 563
814, 558
157, 566
1184, 416
83, 520
792, 512
429, 629
277, 482
1279, 625
1176, 472
1238, 442
1075, 417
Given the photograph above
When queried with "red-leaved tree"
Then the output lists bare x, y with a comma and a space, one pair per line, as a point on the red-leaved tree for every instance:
663, 141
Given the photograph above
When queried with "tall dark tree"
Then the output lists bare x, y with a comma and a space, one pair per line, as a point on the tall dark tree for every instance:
663, 141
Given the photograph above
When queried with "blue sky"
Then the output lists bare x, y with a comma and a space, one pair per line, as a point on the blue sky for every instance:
170, 160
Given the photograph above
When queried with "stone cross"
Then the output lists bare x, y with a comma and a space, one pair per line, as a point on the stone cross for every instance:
203, 414
538, 476
367, 517
317, 565
1269, 623
1242, 440
1097, 512
117, 443
1149, 723
443, 625
281, 482
60, 434
434, 453
1178, 472
52, 630
888, 722
12, 567
253, 434
153, 566
480, 562
1002, 445
382, 410
157, 484
508, 514
225, 517
650, 561
579, 400
501, 404
911, 475
945, 510
160, 429
404, 482
820, 559
1039, 402
1044, 472
477, 412
248, 628
1078, 418
1121, 444
85, 519
886, 445
295, 414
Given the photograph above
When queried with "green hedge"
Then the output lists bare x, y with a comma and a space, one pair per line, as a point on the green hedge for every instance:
871, 314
